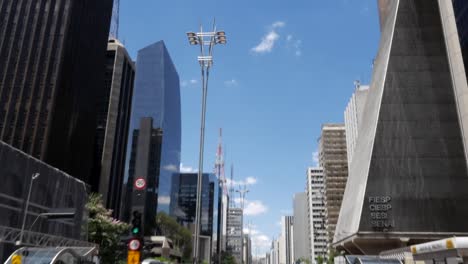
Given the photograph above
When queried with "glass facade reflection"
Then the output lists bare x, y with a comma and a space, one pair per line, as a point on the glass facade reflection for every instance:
157, 95
185, 198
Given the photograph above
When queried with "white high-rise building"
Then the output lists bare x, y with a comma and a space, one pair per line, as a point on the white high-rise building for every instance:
274, 253
286, 240
318, 236
353, 117
301, 240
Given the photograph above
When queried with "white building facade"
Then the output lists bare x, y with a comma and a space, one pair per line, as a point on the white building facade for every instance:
287, 240
301, 240
353, 117
317, 228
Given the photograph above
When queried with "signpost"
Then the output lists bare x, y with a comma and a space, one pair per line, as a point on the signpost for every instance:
134, 251
133, 257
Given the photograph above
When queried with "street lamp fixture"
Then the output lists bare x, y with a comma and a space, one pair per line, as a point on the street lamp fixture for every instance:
204, 40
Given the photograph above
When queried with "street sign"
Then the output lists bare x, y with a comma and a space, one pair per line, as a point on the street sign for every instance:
16, 259
134, 244
140, 184
133, 257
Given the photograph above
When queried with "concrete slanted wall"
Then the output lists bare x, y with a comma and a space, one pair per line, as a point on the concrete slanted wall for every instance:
408, 177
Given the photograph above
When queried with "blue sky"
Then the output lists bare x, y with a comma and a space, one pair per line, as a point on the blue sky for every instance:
289, 66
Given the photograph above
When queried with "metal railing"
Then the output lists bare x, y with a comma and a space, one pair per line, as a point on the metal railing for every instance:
36, 239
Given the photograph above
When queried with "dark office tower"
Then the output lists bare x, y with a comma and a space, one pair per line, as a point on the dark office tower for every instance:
144, 168
408, 177
183, 208
157, 95
52, 55
186, 197
113, 120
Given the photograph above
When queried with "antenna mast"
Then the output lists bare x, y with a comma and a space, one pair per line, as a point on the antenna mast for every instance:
219, 164
231, 189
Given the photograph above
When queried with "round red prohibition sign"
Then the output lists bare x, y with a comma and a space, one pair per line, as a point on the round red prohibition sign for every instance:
134, 244
140, 183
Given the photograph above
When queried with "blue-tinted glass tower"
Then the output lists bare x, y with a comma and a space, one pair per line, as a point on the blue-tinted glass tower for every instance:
157, 96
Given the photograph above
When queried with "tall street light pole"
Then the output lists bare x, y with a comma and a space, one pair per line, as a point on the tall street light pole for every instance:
33, 177
204, 40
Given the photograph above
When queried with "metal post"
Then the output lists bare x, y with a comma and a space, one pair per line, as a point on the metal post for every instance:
209, 39
242, 192
33, 177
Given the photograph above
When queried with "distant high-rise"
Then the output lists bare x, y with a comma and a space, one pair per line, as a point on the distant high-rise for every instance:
113, 109
274, 252
234, 236
52, 55
334, 161
247, 251
301, 226
317, 231
287, 236
407, 180
157, 95
353, 117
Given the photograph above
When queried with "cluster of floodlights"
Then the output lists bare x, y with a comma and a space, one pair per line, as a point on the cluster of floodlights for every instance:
218, 37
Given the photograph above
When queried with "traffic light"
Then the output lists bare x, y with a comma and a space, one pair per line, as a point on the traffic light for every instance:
136, 223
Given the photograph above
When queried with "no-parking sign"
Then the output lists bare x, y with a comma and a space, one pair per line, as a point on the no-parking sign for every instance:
140, 184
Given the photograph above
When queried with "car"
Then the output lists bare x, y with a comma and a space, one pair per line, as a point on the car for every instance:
151, 261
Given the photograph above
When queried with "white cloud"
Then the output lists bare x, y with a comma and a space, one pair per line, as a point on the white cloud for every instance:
170, 167
251, 231
315, 158
250, 181
186, 83
268, 41
296, 44
166, 200
262, 242
246, 181
187, 169
231, 83
255, 208
278, 24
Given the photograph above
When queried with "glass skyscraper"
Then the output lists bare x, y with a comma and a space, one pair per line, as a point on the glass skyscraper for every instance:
157, 96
